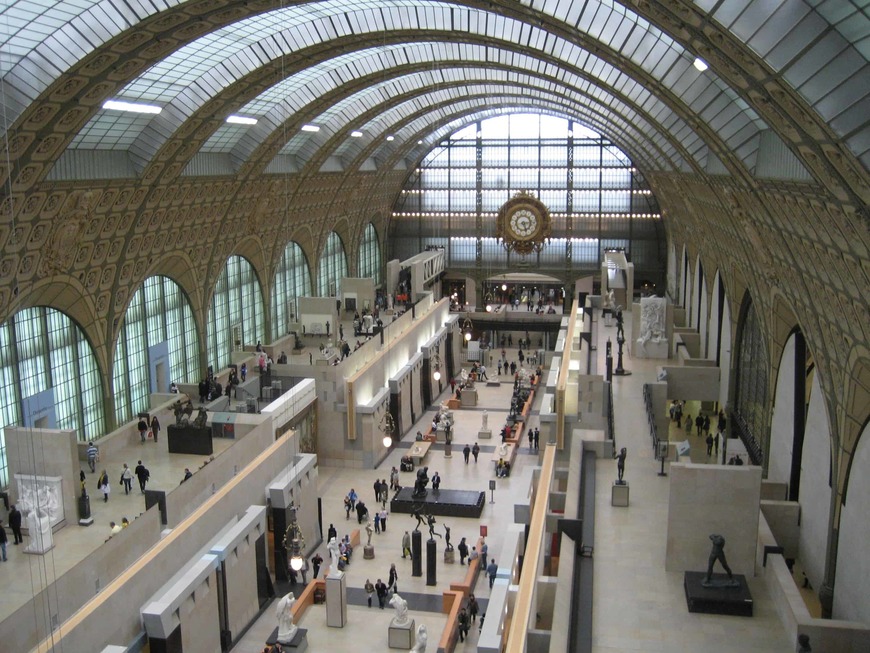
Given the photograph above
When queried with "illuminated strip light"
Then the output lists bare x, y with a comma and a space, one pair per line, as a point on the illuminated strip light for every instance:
132, 107
699, 64
356, 134
310, 128
241, 120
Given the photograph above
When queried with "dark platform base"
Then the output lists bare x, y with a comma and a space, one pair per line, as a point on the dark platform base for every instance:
444, 503
299, 643
189, 439
735, 601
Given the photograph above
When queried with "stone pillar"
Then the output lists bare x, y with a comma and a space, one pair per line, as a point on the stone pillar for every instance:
416, 554
431, 561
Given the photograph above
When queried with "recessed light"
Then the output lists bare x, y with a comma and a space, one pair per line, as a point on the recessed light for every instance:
118, 105
700, 64
419, 142
390, 139
310, 128
356, 134
241, 120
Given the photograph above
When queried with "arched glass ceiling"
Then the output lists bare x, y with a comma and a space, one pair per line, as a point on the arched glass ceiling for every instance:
340, 118
196, 72
296, 91
475, 85
819, 46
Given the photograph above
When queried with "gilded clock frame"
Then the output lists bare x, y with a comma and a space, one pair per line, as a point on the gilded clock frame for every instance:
513, 242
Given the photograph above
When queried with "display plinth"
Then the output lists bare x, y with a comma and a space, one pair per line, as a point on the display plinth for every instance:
444, 503
469, 397
401, 635
189, 439
735, 601
368, 552
449, 556
619, 494
484, 434
336, 599
298, 644
651, 349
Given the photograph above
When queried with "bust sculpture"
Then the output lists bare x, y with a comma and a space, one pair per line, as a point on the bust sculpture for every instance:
422, 640
401, 606
286, 628
334, 554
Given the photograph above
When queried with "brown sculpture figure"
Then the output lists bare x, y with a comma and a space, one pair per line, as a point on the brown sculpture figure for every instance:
717, 552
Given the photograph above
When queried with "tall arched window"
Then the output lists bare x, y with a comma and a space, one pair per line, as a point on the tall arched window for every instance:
751, 403
236, 315
48, 377
158, 344
292, 280
369, 257
332, 267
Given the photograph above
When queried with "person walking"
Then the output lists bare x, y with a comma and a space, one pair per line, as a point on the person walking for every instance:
381, 591
370, 591
406, 544
537, 436
707, 424
709, 442
393, 580
699, 424
103, 485
331, 533
316, 561
352, 495
384, 514
466, 452
463, 624
475, 451
473, 607
348, 506
3, 540
92, 457
491, 571
127, 478
361, 512
484, 549
15, 524
155, 427
531, 438
142, 427
142, 474
463, 551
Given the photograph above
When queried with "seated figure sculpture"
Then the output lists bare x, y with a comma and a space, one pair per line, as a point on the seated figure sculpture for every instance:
422, 640
421, 482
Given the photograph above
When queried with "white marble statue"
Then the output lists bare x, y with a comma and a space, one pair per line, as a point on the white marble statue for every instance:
334, 554
484, 420
401, 606
39, 528
286, 628
652, 319
422, 640
369, 530
609, 299
502, 450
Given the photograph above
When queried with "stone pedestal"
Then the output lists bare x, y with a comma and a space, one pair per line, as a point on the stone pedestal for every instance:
401, 635
651, 349
431, 562
298, 644
189, 439
619, 494
448, 556
484, 434
469, 397
417, 554
368, 552
336, 599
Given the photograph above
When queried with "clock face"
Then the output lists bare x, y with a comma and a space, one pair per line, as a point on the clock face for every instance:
523, 223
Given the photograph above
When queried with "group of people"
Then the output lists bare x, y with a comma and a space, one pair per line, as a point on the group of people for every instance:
145, 429
473, 451
381, 588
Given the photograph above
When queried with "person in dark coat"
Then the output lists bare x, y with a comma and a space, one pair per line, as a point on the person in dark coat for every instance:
466, 452
143, 475
15, 524
361, 512
155, 428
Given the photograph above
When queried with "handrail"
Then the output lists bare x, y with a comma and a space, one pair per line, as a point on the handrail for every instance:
562, 383
523, 606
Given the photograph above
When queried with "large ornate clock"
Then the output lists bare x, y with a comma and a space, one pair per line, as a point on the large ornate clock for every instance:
523, 224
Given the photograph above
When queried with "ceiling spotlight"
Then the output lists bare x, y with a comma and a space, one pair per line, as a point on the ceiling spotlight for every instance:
390, 139
133, 107
310, 128
700, 64
356, 134
419, 142
241, 120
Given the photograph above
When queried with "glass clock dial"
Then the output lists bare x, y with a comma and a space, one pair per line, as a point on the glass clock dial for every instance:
523, 223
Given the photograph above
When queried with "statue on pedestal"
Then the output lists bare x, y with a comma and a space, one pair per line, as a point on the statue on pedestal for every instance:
422, 640
717, 552
39, 527
369, 531
620, 465
421, 482
502, 450
401, 606
334, 554
484, 420
286, 628
448, 546
431, 521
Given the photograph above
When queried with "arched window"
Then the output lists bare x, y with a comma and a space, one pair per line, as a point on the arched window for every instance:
369, 261
751, 403
158, 344
333, 266
48, 377
236, 315
292, 280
